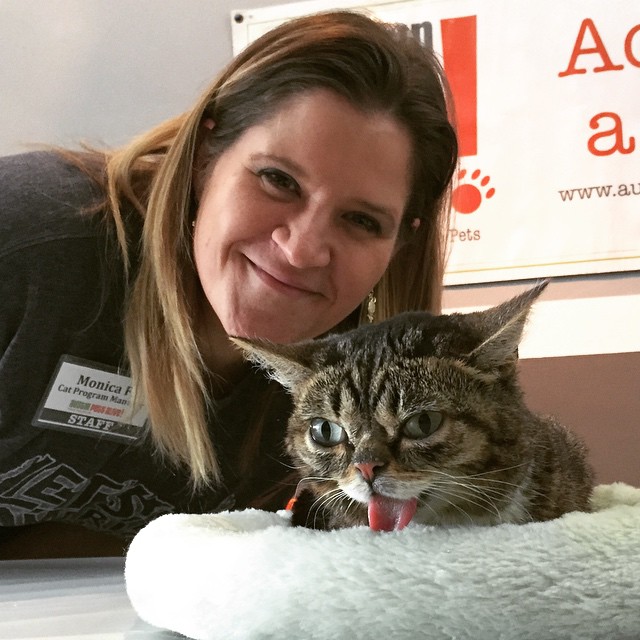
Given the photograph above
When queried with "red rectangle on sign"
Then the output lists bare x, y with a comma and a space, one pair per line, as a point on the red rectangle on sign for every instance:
460, 65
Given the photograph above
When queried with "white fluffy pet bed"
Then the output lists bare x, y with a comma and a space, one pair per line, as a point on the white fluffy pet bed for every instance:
248, 574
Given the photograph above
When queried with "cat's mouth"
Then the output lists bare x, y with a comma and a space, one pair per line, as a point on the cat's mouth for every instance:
390, 514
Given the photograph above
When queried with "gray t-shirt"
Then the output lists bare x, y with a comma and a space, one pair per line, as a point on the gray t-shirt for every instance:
62, 295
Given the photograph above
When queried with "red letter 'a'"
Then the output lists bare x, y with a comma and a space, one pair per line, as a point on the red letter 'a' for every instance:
459, 61
599, 48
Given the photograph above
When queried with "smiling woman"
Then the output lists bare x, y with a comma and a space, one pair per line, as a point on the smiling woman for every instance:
314, 171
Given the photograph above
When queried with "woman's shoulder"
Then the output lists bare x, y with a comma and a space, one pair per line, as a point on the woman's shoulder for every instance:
42, 197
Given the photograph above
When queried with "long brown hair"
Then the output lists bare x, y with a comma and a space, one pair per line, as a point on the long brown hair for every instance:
378, 68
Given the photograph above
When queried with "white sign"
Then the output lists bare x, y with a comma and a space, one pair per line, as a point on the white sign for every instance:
547, 97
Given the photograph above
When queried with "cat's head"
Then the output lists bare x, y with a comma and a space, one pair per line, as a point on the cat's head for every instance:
389, 413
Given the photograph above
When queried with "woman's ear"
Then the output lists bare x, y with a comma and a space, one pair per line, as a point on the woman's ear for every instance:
408, 231
201, 157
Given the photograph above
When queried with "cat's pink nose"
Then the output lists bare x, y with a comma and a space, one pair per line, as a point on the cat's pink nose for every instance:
367, 469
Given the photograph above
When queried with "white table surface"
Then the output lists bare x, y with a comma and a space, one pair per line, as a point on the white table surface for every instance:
83, 599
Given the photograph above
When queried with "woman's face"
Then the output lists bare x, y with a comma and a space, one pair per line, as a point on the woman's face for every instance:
299, 218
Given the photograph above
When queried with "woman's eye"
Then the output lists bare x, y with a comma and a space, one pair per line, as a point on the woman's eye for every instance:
279, 180
366, 222
326, 433
422, 425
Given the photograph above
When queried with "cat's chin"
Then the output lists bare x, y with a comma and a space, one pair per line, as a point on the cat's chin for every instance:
390, 514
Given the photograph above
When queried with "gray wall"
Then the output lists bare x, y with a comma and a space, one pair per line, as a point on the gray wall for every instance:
104, 70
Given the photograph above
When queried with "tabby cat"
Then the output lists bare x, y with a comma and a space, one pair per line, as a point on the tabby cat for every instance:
420, 418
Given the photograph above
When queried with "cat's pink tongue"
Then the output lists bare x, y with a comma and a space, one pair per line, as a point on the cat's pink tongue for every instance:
389, 514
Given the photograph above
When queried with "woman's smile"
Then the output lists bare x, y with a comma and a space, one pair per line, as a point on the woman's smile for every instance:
283, 283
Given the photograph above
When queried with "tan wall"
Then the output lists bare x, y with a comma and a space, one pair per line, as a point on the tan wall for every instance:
598, 397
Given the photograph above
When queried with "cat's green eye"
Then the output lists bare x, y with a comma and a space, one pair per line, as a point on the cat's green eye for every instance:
326, 433
422, 425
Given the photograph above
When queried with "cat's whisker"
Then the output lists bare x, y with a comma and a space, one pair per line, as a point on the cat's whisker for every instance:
500, 470
500, 493
343, 499
352, 503
443, 495
495, 481
497, 491
308, 479
424, 503
323, 501
515, 485
485, 497
293, 467
476, 476
327, 497
461, 481
482, 502
330, 500
314, 479
347, 502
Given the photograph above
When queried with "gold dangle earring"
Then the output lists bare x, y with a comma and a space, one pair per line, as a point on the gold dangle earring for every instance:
371, 306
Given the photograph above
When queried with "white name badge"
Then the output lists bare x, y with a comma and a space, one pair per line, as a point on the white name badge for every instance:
92, 399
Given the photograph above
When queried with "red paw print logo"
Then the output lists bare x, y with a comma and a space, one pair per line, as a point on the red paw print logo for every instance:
468, 195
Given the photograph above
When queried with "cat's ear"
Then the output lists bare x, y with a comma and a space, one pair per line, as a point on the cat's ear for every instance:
287, 364
502, 327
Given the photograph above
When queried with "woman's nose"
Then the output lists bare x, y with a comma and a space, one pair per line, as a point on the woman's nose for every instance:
304, 240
